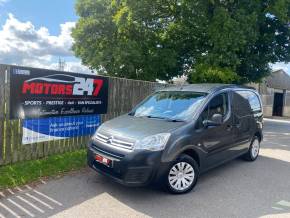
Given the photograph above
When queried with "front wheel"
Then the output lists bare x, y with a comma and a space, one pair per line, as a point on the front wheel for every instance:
254, 150
182, 175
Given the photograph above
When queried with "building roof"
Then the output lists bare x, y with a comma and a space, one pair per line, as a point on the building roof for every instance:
204, 87
278, 80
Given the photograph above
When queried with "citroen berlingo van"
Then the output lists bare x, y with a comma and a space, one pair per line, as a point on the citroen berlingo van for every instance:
178, 133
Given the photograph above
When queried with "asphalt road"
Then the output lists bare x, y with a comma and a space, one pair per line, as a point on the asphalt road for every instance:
236, 189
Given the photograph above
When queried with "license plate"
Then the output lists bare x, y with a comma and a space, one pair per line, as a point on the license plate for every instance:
103, 160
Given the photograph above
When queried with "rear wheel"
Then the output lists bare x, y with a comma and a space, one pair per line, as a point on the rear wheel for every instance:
254, 150
182, 175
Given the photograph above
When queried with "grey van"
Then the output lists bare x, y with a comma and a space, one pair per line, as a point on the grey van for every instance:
178, 133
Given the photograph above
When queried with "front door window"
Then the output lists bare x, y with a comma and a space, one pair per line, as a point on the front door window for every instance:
218, 105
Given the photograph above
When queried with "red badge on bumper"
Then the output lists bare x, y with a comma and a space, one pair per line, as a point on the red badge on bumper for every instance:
103, 160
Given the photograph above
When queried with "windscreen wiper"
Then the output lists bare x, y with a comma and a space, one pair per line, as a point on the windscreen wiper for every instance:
154, 117
151, 116
163, 118
174, 120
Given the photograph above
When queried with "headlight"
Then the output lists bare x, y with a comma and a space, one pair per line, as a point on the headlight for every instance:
153, 143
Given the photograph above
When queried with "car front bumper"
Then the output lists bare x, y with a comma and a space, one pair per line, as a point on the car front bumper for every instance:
136, 168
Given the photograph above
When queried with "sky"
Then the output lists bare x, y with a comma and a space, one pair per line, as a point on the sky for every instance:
36, 33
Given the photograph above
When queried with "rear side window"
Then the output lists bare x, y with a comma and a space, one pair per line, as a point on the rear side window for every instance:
252, 99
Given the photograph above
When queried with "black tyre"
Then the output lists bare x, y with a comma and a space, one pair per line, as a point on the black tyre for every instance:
253, 151
182, 175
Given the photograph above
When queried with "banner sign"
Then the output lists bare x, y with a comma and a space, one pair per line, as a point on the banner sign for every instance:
38, 93
54, 128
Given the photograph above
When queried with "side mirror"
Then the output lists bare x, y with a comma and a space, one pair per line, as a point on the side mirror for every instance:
216, 120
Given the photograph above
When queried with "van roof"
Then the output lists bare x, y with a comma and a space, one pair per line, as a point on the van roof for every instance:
204, 87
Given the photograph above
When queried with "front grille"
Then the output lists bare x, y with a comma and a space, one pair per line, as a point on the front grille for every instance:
108, 153
114, 142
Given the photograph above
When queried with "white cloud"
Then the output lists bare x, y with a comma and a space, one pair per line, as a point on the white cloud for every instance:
3, 1
23, 44
72, 66
279, 66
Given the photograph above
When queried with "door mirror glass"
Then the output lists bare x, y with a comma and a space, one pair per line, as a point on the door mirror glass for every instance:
216, 120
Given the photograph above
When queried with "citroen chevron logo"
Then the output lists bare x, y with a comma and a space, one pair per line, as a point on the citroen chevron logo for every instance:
110, 139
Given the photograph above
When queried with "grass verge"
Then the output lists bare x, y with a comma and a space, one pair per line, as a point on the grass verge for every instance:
29, 171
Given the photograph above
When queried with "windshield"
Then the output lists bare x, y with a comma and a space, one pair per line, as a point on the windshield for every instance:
173, 105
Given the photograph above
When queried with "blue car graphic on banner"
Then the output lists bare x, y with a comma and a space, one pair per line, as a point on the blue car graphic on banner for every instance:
54, 128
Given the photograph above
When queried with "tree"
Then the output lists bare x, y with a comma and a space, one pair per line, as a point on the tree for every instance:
212, 74
209, 40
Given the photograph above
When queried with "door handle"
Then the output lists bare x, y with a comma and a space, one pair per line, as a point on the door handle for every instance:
229, 127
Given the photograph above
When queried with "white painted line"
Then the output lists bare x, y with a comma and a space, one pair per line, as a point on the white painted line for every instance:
11, 192
49, 198
276, 120
2, 194
28, 187
30, 204
40, 201
21, 208
274, 134
277, 208
9, 210
19, 189
284, 203
1, 216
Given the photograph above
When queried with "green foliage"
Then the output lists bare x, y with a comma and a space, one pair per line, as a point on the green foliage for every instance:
157, 39
209, 74
25, 172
